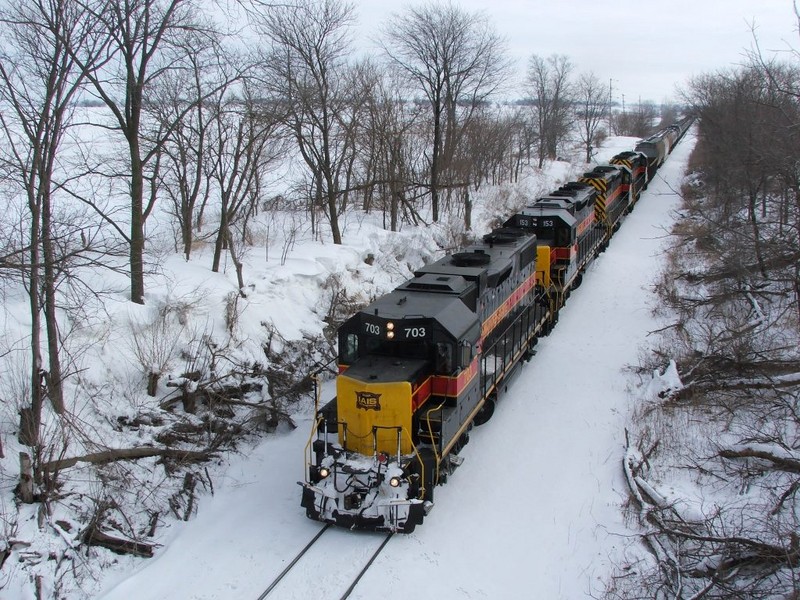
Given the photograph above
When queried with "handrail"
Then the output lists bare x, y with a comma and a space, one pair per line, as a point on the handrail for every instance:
307, 451
375, 429
420, 461
430, 433
314, 427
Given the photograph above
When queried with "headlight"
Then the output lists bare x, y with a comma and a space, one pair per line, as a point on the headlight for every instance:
324, 472
394, 482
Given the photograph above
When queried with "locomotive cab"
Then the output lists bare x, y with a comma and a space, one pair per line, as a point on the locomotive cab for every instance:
611, 203
636, 165
552, 220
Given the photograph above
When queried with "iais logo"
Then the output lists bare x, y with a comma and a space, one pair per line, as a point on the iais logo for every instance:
368, 400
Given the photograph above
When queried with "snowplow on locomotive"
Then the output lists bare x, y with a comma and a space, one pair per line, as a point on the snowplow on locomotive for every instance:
422, 365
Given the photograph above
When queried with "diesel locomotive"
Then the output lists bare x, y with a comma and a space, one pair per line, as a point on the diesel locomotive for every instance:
422, 365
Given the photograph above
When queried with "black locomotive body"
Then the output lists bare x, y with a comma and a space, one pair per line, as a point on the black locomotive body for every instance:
420, 366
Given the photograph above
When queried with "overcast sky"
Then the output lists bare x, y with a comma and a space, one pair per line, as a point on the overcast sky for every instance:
645, 47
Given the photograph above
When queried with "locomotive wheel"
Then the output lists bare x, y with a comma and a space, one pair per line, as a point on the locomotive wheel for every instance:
486, 412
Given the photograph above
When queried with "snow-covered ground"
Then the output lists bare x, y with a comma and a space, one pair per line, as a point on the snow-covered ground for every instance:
533, 512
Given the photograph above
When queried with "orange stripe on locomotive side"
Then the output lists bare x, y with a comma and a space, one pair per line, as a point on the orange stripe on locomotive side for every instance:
421, 393
613, 197
586, 223
565, 252
454, 386
502, 311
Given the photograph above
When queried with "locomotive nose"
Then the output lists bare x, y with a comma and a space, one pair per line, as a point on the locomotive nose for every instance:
376, 414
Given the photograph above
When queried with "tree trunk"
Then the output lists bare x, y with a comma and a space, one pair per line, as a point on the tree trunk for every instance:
186, 228
53, 377
467, 209
333, 213
223, 228
113, 455
756, 234
137, 219
152, 383
435, 158
237, 264
95, 537
25, 489
33, 418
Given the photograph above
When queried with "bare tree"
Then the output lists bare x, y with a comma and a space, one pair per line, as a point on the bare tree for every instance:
306, 69
485, 154
638, 120
208, 75
551, 92
242, 143
458, 61
732, 422
670, 113
38, 82
141, 41
591, 108
388, 151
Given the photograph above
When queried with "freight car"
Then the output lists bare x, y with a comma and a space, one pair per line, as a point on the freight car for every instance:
658, 146
422, 365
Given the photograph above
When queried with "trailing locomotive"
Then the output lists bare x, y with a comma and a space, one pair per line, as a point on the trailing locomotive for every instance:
420, 366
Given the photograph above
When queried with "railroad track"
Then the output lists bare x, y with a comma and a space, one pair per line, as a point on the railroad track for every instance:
326, 570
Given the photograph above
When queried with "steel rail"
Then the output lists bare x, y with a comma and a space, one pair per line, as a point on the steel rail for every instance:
288, 568
366, 568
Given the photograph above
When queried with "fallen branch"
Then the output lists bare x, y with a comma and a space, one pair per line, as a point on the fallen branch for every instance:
782, 460
757, 551
739, 384
113, 455
95, 537
193, 393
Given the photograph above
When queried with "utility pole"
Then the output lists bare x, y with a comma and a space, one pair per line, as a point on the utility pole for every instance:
608, 105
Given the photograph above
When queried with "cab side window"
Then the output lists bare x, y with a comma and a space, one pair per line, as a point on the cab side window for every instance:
350, 352
563, 237
444, 358
466, 355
